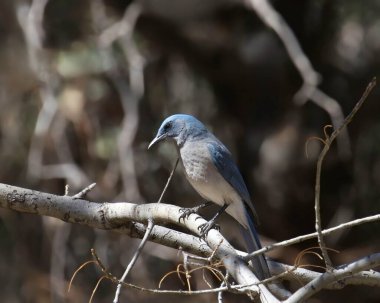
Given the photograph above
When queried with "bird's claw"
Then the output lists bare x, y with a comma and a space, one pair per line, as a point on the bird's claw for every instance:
186, 212
206, 227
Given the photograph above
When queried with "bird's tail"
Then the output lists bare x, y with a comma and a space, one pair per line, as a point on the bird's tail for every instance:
259, 263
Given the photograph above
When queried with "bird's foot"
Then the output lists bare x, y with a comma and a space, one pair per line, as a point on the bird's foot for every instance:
206, 227
186, 212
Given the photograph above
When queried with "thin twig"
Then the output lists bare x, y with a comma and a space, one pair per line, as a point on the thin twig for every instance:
345, 274
303, 238
326, 147
67, 189
84, 192
133, 260
327, 142
333, 109
365, 277
304, 276
169, 180
143, 241
220, 293
328, 278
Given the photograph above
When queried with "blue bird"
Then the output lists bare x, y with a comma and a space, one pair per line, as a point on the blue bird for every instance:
210, 169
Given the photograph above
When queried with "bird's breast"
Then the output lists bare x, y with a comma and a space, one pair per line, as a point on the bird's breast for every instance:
204, 176
196, 162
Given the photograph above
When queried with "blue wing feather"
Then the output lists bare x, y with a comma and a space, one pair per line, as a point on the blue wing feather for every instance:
222, 160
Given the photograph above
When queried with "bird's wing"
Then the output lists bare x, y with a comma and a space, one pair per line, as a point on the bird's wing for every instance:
223, 161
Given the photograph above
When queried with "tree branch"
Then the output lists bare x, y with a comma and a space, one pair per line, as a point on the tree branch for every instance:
128, 218
303, 275
328, 141
325, 232
328, 278
114, 216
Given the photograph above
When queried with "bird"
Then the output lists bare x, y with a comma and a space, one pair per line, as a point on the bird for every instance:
210, 169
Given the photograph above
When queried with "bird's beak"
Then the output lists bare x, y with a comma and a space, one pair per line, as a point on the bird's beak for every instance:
156, 140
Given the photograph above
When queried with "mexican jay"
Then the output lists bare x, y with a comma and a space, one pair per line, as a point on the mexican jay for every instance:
209, 168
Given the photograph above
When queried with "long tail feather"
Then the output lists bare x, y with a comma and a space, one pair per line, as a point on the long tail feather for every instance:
259, 263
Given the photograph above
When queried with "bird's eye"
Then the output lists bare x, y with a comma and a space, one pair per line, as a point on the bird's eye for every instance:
167, 126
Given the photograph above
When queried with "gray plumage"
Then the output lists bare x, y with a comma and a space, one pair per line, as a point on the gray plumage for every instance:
211, 171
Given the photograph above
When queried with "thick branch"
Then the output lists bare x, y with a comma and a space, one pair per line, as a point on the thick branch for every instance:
128, 218
116, 215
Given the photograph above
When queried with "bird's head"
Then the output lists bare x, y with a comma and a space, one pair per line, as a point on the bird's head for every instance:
180, 128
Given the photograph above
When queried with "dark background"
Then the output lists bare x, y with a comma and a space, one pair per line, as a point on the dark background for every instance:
77, 116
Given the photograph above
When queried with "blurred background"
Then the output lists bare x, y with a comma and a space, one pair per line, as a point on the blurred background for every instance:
84, 85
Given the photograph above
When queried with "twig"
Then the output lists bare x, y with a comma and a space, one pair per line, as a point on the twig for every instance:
220, 293
370, 278
107, 275
329, 140
334, 110
143, 241
213, 268
303, 238
303, 276
133, 260
328, 278
67, 189
169, 180
84, 192
345, 275
327, 143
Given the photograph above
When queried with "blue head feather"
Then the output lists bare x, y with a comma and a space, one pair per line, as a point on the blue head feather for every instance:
179, 127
